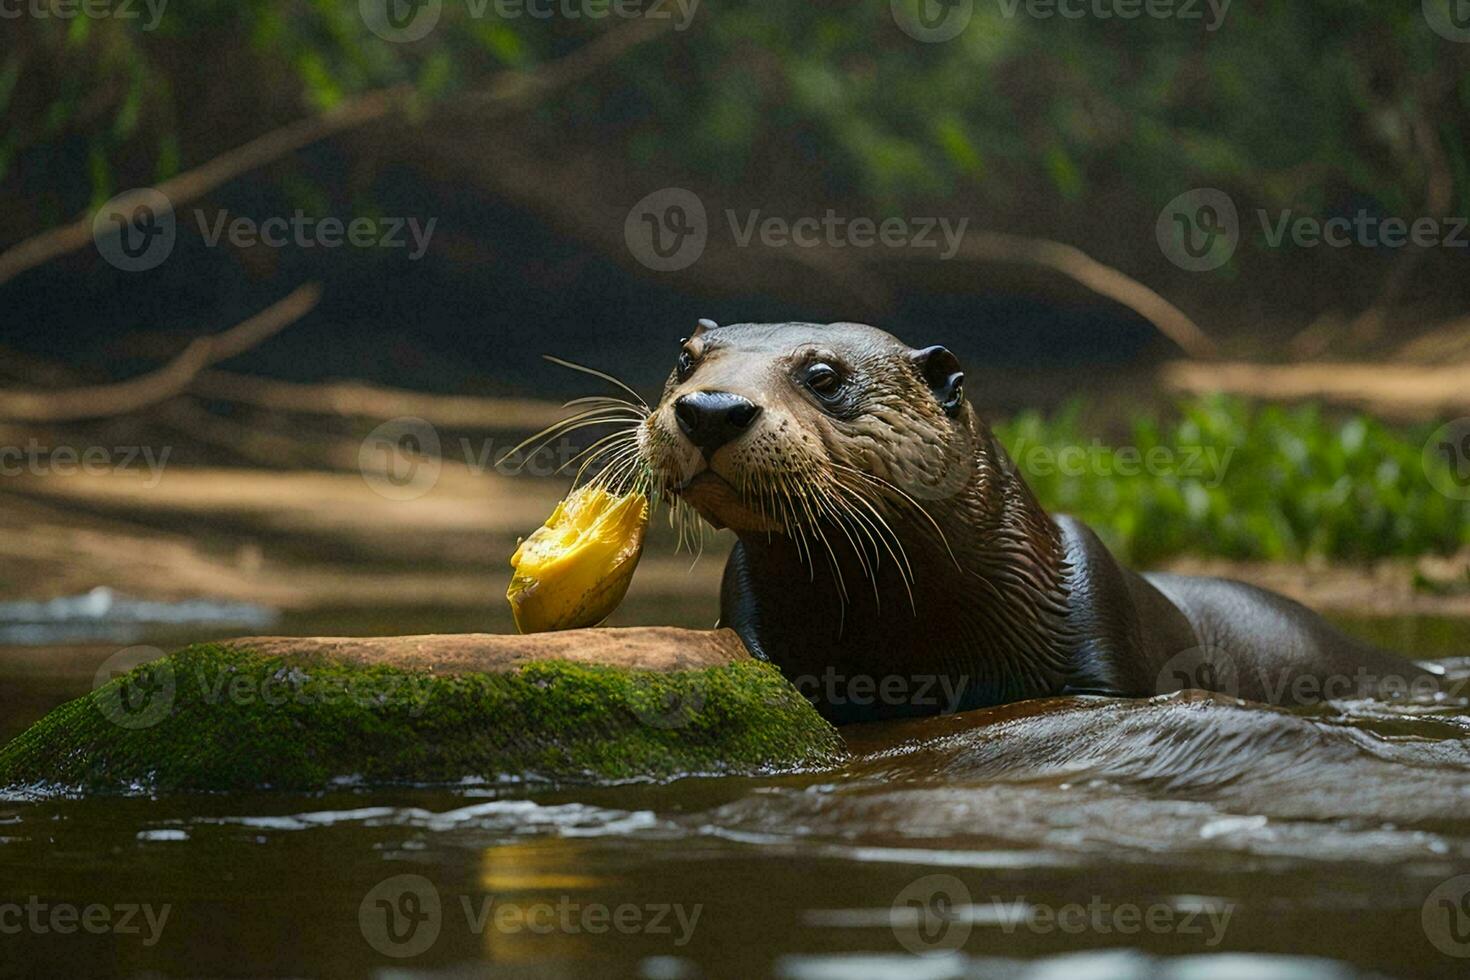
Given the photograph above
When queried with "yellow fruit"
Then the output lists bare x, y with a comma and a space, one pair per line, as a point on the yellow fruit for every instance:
575, 569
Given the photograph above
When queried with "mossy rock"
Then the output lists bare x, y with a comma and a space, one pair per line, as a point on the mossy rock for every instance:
307, 714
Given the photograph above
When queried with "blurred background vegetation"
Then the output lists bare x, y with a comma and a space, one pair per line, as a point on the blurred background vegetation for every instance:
527, 140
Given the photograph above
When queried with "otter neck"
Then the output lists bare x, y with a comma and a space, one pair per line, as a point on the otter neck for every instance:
989, 600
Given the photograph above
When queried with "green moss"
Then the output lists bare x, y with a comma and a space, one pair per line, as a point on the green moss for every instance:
216, 718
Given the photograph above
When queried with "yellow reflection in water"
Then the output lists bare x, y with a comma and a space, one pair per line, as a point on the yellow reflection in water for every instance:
536, 905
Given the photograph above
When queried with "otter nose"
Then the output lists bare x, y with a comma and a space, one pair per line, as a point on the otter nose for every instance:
712, 418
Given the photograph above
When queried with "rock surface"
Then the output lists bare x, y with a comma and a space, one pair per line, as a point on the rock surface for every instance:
309, 713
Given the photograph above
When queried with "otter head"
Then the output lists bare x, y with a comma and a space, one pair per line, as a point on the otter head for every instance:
777, 427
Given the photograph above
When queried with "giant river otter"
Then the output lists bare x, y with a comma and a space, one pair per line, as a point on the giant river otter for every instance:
892, 561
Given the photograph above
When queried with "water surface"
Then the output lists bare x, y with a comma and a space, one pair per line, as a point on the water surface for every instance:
1186, 836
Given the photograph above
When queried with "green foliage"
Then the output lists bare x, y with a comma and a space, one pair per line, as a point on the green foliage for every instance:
1305, 104
213, 718
1231, 478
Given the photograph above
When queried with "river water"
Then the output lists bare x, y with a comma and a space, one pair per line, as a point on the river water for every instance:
1186, 836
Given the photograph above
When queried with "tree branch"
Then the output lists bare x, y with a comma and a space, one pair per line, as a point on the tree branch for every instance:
100, 401
510, 90
1098, 278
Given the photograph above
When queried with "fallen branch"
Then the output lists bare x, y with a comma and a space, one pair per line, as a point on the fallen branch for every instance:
100, 401
1395, 388
356, 399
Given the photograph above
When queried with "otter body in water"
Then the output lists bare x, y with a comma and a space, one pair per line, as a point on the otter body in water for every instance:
892, 561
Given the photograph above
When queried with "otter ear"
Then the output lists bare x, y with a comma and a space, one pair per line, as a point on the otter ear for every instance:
703, 325
941, 371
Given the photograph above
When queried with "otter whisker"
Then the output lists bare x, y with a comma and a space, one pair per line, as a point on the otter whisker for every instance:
837, 511
610, 400
908, 499
789, 522
816, 527
901, 558
612, 441
596, 374
568, 425
622, 466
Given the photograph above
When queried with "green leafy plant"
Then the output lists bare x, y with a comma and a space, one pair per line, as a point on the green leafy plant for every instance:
1224, 476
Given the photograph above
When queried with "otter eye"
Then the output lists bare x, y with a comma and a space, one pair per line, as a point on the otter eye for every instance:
685, 365
823, 379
